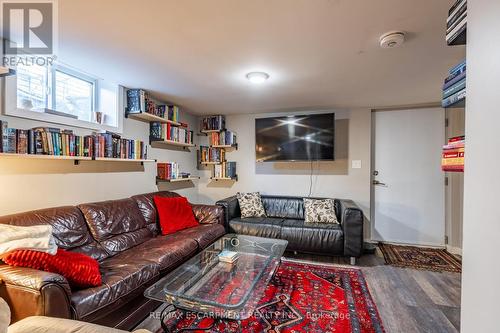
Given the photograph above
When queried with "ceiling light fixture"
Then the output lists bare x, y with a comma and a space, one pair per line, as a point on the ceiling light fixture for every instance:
257, 77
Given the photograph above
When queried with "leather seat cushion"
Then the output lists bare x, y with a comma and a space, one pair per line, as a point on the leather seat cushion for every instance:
69, 228
204, 234
323, 238
167, 252
268, 227
286, 207
123, 279
116, 224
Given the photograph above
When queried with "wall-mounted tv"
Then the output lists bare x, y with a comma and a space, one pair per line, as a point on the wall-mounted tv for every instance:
295, 138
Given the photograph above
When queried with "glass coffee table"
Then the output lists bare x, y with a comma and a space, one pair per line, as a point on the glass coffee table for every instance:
223, 291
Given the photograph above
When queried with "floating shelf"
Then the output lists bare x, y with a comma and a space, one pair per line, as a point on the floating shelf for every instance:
5, 71
147, 118
176, 180
206, 132
225, 146
458, 104
210, 163
235, 179
76, 159
172, 143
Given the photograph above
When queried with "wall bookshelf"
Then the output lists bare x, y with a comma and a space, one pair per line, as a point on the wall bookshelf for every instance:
148, 118
235, 178
166, 143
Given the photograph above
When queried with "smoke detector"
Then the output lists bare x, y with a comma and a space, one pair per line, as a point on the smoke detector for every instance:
392, 39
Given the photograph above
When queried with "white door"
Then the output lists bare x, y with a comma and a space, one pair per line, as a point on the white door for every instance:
408, 184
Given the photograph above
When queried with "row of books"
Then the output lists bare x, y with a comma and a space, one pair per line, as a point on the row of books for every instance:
224, 138
167, 132
225, 170
453, 158
168, 170
456, 24
57, 142
454, 85
213, 123
138, 101
208, 154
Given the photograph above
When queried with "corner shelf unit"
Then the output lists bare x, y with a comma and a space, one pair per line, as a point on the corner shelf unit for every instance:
75, 159
209, 126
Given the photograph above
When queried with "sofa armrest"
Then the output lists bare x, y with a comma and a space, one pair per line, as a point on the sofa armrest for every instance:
208, 214
30, 292
231, 209
351, 219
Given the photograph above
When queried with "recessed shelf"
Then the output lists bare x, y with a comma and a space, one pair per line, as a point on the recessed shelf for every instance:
147, 117
176, 180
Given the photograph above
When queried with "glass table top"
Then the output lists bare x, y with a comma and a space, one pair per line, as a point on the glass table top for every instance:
228, 290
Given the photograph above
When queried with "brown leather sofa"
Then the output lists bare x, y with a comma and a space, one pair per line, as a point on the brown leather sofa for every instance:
123, 235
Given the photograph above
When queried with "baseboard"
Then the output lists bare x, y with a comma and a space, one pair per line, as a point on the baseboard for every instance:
454, 250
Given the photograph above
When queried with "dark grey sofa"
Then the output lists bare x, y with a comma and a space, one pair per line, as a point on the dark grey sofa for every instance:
285, 220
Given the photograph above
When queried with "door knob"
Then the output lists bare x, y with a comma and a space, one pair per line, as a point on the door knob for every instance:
376, 182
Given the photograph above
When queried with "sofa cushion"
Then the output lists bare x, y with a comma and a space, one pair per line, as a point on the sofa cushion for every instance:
268, 227
116, 224
319, 211
251, 204
167, 252
175, 214
68, 228
324, 238
204, 234
80, 270
123, 277
148, 209
285, 207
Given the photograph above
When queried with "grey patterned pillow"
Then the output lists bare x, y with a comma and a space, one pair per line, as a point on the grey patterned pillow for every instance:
251, 204
319, 211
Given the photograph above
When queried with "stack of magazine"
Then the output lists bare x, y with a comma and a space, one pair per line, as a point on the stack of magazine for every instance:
227, 256
454, 86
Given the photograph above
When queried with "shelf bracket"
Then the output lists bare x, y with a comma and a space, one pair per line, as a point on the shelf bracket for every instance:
76, 162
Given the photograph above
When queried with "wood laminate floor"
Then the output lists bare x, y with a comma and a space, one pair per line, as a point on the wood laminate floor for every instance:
408, 300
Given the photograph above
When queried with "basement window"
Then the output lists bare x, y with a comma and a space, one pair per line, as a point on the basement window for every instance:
62, 95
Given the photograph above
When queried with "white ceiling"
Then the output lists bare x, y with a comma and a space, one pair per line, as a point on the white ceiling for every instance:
319, 53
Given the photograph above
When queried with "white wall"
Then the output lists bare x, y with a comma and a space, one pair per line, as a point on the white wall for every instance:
331, 179
27, 184
481, 267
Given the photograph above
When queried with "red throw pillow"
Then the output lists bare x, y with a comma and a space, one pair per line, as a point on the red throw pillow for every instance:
175, 214
80, 270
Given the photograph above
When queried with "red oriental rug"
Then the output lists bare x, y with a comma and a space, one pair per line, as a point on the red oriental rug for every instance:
304, 298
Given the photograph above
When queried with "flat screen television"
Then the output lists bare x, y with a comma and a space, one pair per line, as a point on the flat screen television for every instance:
295, 138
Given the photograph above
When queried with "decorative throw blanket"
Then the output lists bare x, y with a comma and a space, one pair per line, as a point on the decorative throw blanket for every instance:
36, 238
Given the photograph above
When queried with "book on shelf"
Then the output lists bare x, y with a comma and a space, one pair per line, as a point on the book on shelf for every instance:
210, 154
213, 123
454, 87
57, 142
453, 156
167, 132
456, 24
168, 170
139, 101
225, 170
223, 138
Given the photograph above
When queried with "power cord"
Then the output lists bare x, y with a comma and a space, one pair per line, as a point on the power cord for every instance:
311, 179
